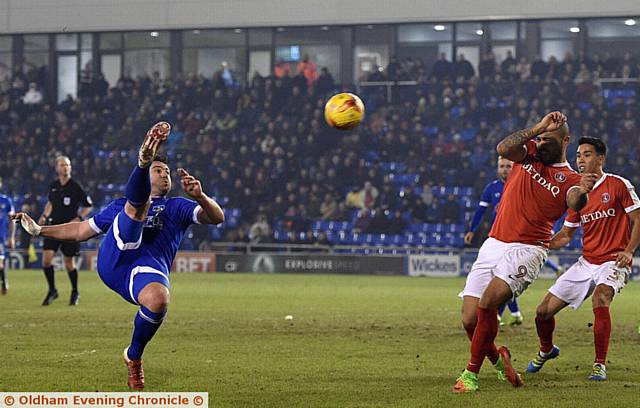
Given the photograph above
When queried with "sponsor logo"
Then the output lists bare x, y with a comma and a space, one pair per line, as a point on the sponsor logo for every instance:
598, 215
560, 177
605, 197
263, 263
537, 177
434, 265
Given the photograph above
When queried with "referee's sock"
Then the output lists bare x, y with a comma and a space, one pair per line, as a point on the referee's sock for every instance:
138, 187
48, 273
3, 277
73, 277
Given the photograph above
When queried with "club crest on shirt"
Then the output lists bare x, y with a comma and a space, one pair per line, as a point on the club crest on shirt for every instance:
66, 200
157, 208
560, 177
605, 197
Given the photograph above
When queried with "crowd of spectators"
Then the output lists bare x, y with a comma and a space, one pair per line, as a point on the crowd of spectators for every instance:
581, 67
263, 147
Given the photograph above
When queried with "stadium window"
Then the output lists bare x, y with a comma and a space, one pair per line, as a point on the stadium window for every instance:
66, 42
322, 46
556, 48
110, 41
214, 38
469, 32
208, 61
559, 37
372, 49
146, 62
420, 33
86, 51
613, 35
110, 66
36, 51
613, 28
260, 37
67, 70
6, 59
146, 39
146, 53
36, 42
558, 29
367, 58
504, 30
425, 41
205, 51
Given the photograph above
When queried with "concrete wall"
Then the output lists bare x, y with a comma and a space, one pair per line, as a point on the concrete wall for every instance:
24, 16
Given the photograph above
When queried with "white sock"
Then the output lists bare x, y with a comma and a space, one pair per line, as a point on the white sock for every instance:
516, 314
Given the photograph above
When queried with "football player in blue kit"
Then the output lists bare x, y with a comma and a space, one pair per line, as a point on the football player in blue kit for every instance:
6, 211
142, 234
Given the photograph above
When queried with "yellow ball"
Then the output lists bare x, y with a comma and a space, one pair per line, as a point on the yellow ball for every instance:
344, 111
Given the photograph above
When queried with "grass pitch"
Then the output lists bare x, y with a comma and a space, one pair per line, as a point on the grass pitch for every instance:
354, 341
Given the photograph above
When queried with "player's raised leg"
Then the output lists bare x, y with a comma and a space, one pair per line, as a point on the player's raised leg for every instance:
153, 297
545, 326
602, 298
139, 184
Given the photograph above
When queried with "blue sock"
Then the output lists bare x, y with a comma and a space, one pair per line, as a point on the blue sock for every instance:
501, 309
513, 306
552, 265
145, 325
138, 186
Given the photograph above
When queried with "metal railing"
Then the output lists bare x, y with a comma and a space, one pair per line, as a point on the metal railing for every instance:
244, 247
390, 85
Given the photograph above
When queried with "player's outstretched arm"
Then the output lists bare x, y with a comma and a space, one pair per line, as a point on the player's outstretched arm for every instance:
562, 238
513, 148
624, 258
211, 212
71, 231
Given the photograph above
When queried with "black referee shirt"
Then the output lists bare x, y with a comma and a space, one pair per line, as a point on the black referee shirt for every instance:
65, 201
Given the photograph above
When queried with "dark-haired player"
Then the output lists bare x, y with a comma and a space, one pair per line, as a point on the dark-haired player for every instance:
538, 192
608, 244
143, 233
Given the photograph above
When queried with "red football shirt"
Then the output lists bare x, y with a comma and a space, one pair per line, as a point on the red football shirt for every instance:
534, 197
606, 229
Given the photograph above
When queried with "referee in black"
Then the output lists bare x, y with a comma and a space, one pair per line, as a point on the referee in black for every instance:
66, 197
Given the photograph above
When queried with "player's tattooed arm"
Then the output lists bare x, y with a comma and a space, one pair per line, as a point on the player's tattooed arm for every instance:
562, 238
513, 148
71, 231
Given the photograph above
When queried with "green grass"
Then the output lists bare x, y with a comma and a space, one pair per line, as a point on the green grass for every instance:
355, 341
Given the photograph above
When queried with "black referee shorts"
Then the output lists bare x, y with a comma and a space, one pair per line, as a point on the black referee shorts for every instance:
67, 248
